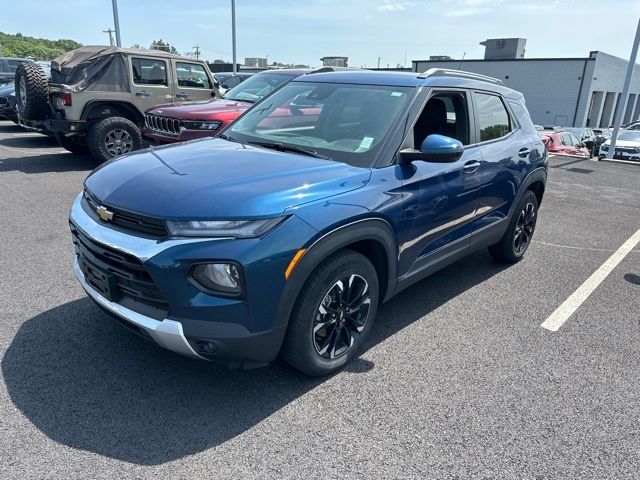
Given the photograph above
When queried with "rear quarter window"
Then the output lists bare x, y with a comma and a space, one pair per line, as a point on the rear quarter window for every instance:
493, 119
523, 119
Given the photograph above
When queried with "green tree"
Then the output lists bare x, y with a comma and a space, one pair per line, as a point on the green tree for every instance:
19, 45
164, 46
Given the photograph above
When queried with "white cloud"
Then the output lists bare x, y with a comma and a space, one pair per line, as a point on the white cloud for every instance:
465, 12
389, 6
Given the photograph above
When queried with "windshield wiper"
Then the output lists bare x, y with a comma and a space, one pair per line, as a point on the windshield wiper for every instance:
240, 100
285, 147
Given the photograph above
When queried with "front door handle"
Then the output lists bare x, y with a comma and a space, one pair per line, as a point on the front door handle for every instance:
471, 166
523, 152
142, 93
182, 95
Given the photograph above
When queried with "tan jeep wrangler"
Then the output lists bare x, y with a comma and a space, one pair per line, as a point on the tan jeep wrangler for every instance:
96, 97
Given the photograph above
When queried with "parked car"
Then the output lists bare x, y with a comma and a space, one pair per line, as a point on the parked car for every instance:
284, 236
587, 138
8, 102
171, 123
564, 143
633, 126
97, 95
602, 134
227, 81
627, 146
8, 67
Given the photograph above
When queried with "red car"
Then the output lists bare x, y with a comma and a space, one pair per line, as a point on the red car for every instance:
177, 122
564, 143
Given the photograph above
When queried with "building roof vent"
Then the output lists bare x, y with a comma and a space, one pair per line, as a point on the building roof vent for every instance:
504, 48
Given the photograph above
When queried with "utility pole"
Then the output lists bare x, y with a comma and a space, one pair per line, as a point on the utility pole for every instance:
197, 51
233, 34
625, 93
116, 21
378, 62
110, 31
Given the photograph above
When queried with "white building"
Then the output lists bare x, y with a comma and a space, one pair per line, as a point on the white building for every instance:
560, 91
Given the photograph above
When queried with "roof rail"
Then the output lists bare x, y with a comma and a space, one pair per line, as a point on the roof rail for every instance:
446, 72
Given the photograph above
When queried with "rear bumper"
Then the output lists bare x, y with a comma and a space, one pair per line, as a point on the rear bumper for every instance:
166, 333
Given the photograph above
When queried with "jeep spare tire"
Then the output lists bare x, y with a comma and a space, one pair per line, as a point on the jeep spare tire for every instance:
32, 91
112, 137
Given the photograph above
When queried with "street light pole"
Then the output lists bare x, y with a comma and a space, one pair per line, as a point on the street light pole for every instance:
233, 34
622, 103
116, 21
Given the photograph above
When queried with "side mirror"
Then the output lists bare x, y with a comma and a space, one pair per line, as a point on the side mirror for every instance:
434, 148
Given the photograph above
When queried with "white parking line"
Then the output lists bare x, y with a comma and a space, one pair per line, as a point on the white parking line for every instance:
577, 298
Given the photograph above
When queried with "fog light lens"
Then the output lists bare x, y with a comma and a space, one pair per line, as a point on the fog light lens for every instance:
219, 277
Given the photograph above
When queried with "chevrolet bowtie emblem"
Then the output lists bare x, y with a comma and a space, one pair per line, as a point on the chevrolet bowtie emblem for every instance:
104, 214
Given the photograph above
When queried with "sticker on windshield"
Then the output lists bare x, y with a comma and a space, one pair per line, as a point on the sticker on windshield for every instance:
396, 94
366, 142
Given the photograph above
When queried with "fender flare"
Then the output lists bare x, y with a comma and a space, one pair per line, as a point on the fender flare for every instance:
322, 246
127, 108
539, 174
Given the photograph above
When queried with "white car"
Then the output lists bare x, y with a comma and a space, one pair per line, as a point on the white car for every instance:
627, 146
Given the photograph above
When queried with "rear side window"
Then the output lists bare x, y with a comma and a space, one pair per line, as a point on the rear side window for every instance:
13, 65
192, 75
149, 72
493, 119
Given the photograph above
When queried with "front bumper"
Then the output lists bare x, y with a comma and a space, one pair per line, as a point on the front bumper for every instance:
166, 333
243, 332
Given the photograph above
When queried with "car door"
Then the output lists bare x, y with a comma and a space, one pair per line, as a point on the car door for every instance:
505, 150
193, 81
440, 198
150, 82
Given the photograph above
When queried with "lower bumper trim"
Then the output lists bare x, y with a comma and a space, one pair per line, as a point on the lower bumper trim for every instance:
166, 333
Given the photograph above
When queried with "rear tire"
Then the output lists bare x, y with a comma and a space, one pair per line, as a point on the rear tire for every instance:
32, 91
333, 314
74, 144
114, 136
516, 240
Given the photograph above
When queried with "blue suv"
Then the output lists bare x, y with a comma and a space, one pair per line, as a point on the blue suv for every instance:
283, 235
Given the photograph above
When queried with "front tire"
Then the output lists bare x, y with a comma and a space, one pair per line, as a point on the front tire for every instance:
112, 137
516, 240
333, 314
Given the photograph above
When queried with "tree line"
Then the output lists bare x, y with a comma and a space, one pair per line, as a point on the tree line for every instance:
19, 45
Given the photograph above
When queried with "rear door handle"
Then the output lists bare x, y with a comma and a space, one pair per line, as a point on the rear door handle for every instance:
142, 93
471, 166
523, 152
182, 95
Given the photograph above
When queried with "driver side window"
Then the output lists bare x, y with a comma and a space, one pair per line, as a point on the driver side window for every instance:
444, 114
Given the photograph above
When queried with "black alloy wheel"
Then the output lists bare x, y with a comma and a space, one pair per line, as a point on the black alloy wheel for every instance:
525, 225
341, 316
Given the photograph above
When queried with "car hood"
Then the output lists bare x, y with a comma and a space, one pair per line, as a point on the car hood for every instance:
215, 178
199, 110
623, 143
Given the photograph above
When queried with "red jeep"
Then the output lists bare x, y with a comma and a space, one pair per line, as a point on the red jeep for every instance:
177, 122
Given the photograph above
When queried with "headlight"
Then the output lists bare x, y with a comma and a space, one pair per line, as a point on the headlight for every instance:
222, 277
222, 228
191, 125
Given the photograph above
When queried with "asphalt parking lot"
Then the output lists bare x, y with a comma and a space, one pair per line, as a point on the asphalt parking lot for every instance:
458, 381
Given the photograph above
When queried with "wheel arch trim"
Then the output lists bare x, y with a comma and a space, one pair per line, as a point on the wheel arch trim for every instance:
329, 242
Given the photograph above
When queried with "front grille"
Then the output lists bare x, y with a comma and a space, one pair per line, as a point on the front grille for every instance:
117, 276
163, 124
130, 221
629, 150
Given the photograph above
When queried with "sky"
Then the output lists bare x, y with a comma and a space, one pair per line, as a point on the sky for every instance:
303, 31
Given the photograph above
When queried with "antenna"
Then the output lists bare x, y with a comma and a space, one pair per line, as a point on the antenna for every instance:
461, 60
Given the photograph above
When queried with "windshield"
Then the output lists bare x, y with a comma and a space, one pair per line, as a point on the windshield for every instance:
343, 122
629, 135
257, 86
